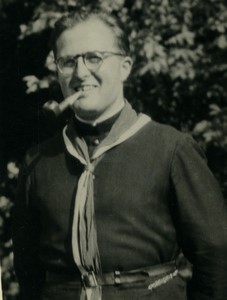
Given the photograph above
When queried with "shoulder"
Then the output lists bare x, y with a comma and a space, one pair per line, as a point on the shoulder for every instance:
163, 134
45, 150
168, 141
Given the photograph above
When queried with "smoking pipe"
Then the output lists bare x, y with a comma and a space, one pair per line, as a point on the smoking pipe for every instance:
58, 108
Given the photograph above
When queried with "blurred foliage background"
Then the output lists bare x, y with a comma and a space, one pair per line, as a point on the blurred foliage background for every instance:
179, 77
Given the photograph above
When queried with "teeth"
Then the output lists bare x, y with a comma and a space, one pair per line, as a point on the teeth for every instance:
85, 88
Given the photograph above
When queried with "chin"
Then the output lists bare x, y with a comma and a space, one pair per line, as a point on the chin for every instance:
86, 104
85, 111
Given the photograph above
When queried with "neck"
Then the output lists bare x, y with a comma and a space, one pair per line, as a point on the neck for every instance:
104, 116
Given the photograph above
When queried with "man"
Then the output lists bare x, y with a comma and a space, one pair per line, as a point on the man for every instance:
106, 207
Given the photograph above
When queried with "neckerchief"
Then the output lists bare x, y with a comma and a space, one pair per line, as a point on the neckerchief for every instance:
84, 234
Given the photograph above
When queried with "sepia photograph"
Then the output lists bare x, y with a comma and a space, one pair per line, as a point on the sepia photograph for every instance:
113, 150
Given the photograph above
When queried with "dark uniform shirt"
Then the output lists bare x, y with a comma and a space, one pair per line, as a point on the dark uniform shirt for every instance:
154, 196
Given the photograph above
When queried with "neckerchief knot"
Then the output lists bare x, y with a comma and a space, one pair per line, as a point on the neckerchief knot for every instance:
89, 168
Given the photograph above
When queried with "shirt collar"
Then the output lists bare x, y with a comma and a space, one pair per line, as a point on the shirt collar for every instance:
102, 118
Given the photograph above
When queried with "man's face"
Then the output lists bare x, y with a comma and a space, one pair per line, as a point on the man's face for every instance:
100, 89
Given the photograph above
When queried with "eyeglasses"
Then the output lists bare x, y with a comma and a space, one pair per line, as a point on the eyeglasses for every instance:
92, 60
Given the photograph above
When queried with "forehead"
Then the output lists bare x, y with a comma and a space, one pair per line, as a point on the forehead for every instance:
84, 37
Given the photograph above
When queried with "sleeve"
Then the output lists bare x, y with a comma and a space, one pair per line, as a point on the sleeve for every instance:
26, 241
200, 220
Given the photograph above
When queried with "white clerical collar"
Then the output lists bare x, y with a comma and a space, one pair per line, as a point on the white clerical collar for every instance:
104, 117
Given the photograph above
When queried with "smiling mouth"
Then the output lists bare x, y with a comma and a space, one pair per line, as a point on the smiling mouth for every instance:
85, 88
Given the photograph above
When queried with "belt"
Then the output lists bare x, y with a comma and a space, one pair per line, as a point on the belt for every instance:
90, 279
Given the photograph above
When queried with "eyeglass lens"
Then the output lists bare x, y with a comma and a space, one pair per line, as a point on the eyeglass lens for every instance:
91, 60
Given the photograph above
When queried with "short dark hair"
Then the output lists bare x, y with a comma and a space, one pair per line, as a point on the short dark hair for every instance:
83, 15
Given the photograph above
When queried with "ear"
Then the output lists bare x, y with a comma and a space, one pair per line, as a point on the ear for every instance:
126, 67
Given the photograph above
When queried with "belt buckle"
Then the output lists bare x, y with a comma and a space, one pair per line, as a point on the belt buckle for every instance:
89, 280
117, 278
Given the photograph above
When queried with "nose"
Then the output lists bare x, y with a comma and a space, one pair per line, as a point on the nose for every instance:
80, 70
